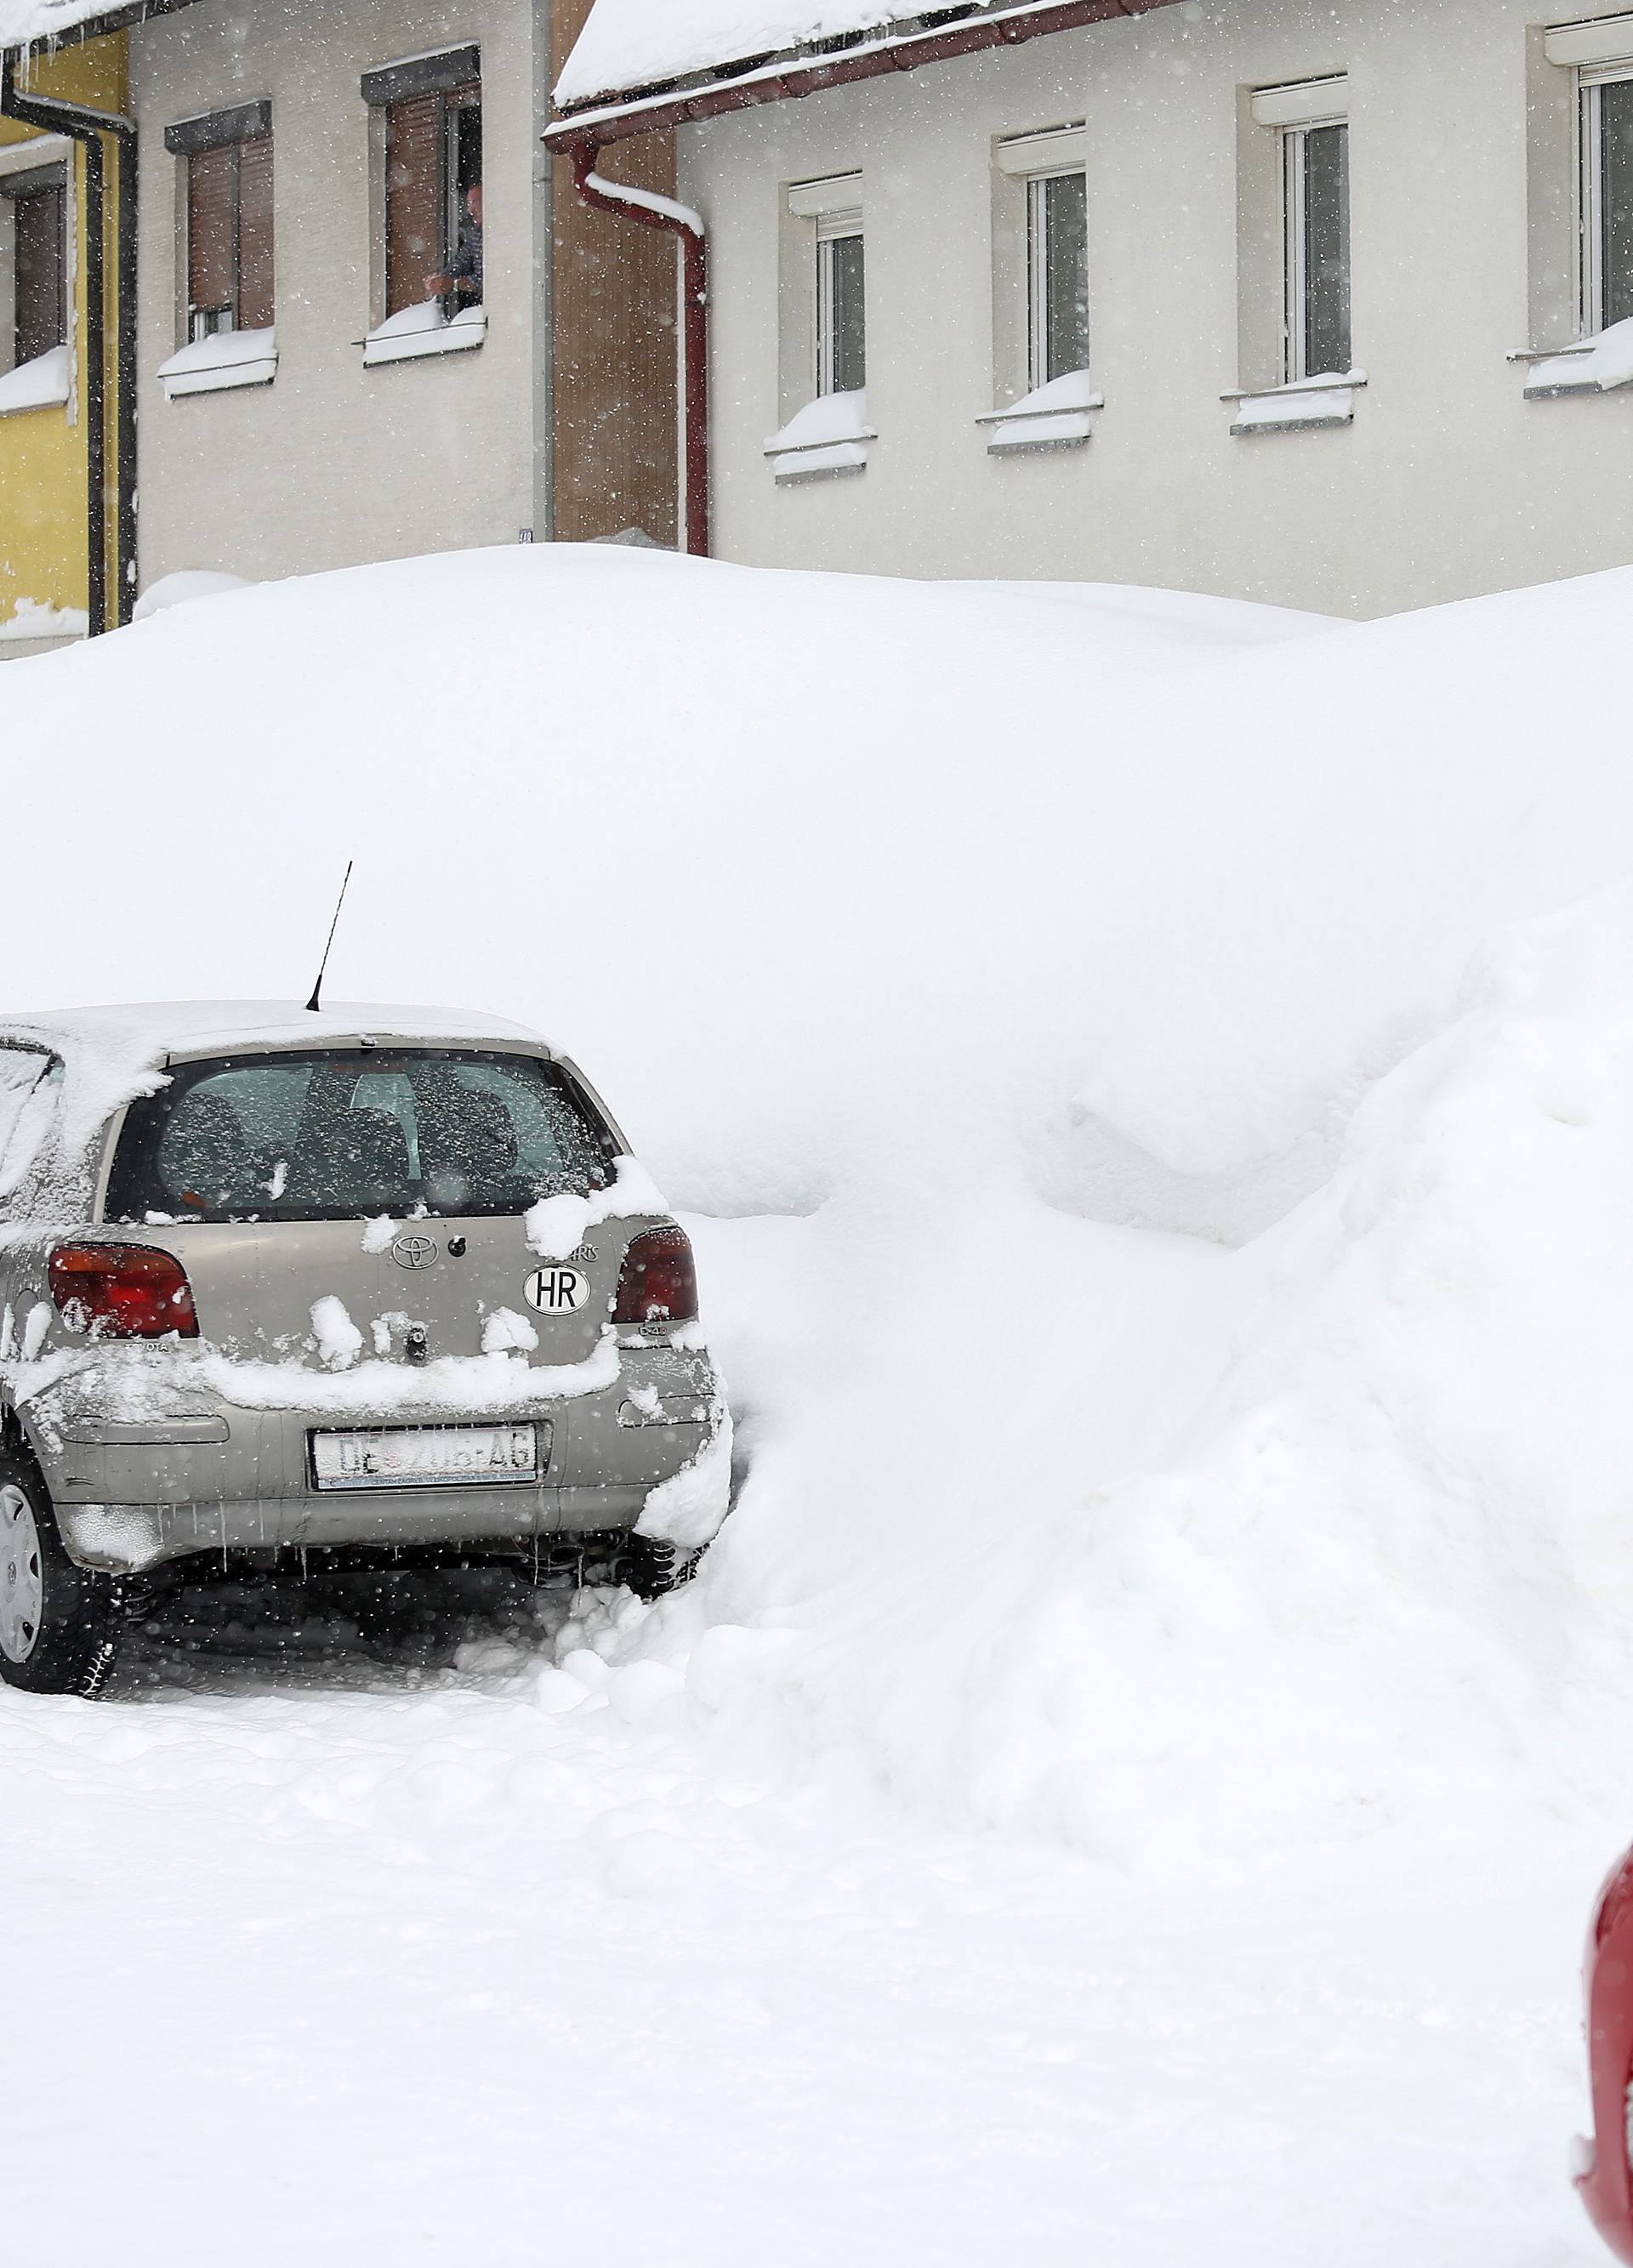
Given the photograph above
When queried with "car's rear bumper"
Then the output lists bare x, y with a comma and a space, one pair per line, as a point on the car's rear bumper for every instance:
127, 1538
132, 1493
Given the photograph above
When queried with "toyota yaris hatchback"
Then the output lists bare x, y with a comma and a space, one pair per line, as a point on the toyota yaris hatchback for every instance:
370, 1280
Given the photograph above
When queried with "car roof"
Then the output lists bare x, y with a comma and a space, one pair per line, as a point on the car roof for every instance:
160, 1028
111, 1055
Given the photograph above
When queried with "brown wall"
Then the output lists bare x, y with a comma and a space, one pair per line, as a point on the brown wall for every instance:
616, 298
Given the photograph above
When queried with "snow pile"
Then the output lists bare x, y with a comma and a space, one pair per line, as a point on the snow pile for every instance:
827, 436
1170, 1265
38, 383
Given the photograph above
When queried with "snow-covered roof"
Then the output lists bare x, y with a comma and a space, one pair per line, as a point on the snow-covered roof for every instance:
638, 46
24, 22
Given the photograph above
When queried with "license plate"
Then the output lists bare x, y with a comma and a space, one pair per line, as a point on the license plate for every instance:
425, 1456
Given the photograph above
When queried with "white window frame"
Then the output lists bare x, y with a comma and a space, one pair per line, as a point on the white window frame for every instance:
1294, 111
1037, 269
835, 203
1591, 79
834, 228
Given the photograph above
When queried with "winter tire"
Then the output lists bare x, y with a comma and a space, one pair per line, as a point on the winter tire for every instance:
59, 1623
652, 1568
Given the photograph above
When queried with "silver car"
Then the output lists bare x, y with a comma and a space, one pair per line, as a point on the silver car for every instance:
367, 1282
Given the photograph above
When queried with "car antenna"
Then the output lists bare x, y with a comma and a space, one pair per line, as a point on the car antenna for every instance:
312, 1005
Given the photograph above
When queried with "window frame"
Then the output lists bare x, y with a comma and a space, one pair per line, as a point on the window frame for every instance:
48, 181
1295, 154
224, 133
1592, 79
833, 228
452, 79
1038, 309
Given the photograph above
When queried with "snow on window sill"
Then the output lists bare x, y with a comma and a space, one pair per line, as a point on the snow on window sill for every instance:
42, 384
1599, 365
35, 619
1052, 417
225, 359
830, 435
1326, 399
421, 330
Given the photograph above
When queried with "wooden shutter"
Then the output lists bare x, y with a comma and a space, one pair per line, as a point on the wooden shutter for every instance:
254, 233
37, 219
212, 180
414, 199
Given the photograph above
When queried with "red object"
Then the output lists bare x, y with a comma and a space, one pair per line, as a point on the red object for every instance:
659, 1283
1606, 2186
612, 197
122, 1292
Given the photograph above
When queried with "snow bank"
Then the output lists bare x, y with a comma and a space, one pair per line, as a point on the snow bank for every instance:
1168, 1259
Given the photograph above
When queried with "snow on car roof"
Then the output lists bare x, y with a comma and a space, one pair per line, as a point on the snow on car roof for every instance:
628, 45
111, 1055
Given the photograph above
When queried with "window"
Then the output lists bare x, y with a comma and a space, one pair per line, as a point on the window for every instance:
314, 1137
36, 205
1607, 197
431, 157
1057, 271
841, 305
228, 156
1316, 207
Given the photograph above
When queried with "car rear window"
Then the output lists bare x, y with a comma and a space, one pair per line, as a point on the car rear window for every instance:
334, 1137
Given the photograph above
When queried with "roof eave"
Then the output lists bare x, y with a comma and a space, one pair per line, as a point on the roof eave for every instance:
802, 72
105, 20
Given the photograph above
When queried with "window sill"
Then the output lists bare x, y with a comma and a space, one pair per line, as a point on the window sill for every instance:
830, 435
1057, 416
1599, 364
42, 384
416, 332
1306, 405
216, 365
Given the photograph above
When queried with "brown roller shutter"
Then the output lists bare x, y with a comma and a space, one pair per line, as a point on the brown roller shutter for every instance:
254, 233
211, 181
414, 198
37, 219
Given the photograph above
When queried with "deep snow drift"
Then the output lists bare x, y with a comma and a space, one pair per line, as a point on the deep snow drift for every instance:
1150, 1085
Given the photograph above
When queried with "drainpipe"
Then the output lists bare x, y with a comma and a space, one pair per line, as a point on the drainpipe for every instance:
679, 221
88, 127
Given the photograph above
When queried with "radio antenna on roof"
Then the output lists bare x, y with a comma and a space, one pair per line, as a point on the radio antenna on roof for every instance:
312, 1005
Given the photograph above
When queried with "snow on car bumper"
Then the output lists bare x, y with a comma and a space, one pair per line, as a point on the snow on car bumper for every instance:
131, 1494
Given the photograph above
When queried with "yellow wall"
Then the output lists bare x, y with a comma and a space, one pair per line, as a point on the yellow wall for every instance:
42, 451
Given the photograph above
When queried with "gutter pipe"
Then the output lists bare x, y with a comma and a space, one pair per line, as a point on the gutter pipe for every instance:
687, 227
88, 127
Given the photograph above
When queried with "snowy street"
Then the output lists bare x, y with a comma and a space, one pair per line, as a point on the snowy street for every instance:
355, 1974
1129, 1783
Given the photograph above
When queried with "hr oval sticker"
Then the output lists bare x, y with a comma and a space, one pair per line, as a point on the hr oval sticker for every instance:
557, 1291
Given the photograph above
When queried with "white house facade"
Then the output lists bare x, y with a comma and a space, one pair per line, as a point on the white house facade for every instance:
1329, 307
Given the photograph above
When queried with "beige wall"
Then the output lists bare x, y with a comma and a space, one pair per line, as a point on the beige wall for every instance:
333, 464
1448, 481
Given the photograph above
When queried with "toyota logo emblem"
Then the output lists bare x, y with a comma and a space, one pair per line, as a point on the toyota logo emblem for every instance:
414, 1251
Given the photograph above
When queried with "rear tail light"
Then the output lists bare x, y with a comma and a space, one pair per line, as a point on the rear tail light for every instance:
659, 1284
122, 1292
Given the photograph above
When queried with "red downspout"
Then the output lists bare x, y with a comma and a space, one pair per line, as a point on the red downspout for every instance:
676, 220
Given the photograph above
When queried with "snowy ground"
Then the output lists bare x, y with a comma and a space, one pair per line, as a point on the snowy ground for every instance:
1128, 1783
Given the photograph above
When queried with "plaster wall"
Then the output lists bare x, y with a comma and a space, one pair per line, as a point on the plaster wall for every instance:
333, 464
1447, 483
43, 530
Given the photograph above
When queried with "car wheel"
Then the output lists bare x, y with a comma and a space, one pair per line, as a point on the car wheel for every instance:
651, 1568
58, 1622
